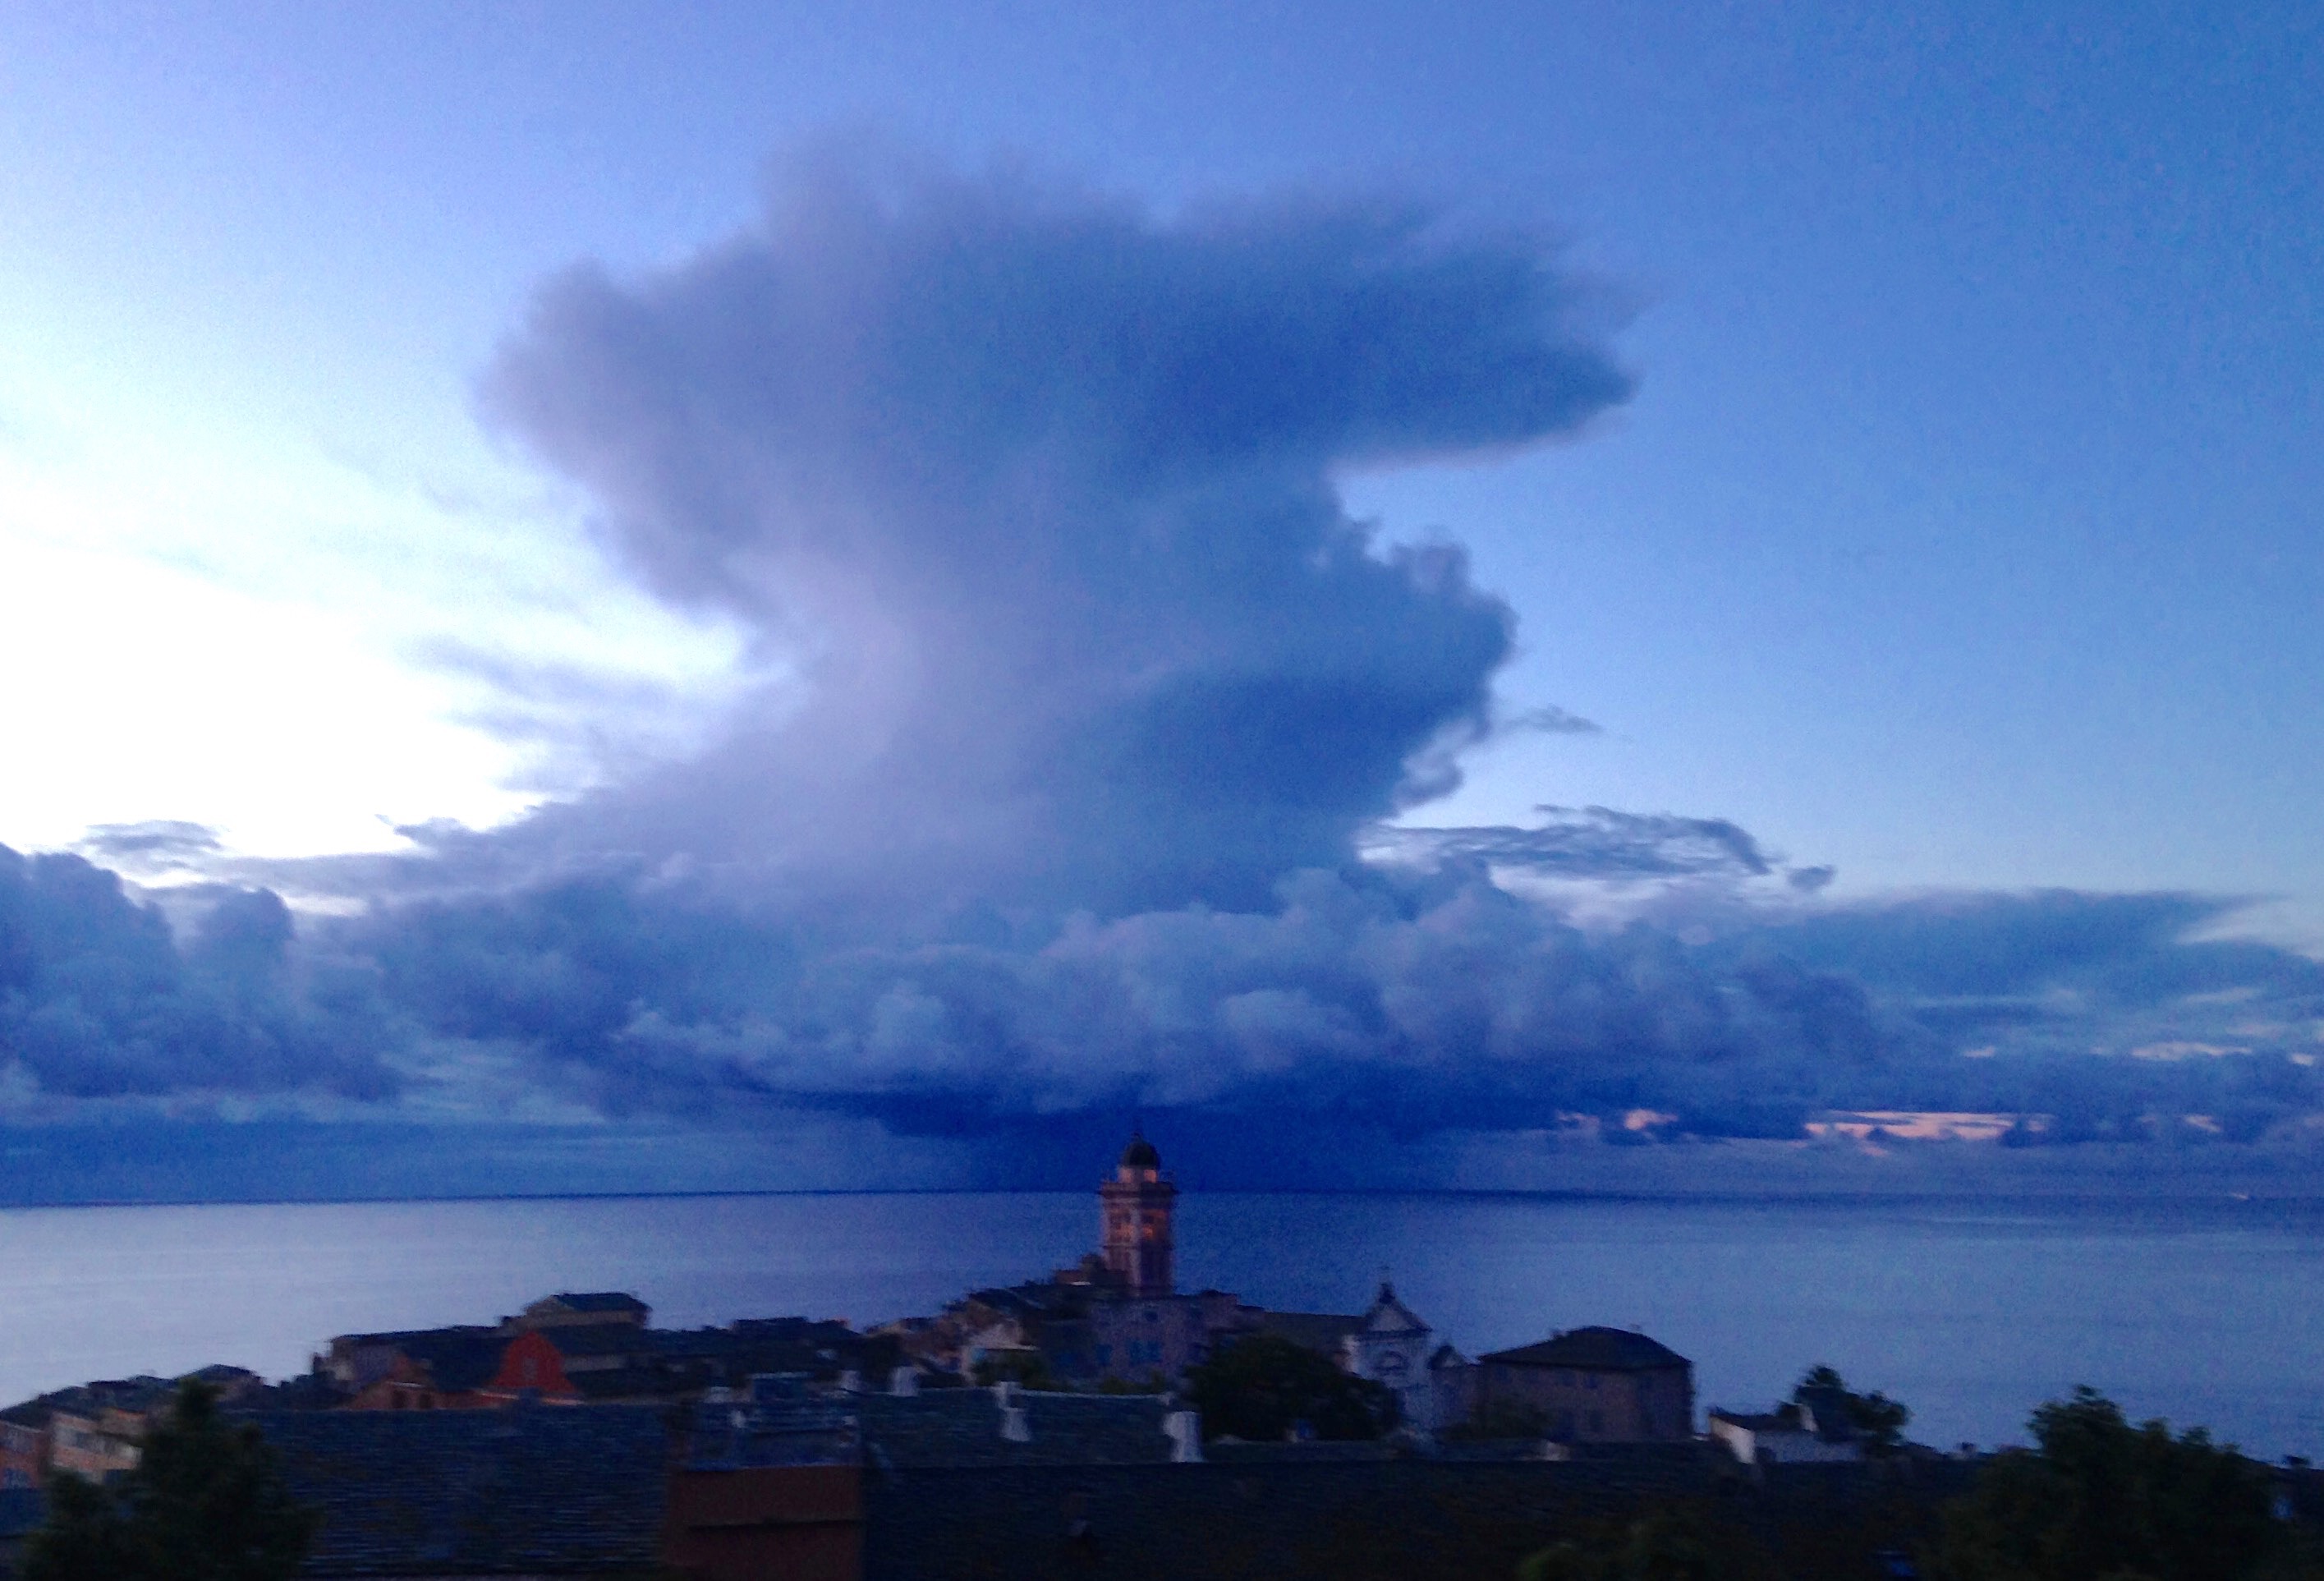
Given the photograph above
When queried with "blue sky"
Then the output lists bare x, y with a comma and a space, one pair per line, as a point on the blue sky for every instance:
1961, 532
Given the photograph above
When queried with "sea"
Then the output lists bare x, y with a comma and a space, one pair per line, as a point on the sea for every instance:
2208, 1312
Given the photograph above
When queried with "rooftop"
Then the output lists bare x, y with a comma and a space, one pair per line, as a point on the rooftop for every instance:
1593, 1350
523, 1490
963, 1426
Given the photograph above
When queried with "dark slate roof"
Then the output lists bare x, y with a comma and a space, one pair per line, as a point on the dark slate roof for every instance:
398, 1337
784, 1430
457, 1358
596, 1301
22, 1510
962, 1426
1251, 1522
306, 1392
535, 1491
1229, 1451
1593, 1350
1288, 1520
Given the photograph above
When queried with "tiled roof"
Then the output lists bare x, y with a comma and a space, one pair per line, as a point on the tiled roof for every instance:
533, 1491
595, 1301
1286, 1520
1591, 1350
963, 1426
1251, 1522
1227, 1452
457, 1358
782, 1431
397, 1336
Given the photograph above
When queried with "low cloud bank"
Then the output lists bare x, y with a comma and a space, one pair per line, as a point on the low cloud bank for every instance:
1077, 788
1382, 1005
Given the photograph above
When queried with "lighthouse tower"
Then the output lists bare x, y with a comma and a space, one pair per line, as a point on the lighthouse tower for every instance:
1134, 1208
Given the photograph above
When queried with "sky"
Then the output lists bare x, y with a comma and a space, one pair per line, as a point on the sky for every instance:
1029, 520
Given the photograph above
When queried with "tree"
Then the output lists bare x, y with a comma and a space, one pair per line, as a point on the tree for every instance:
1027, 1369
1501, 1419
1660, 1545
1878, 1421
1263, 1386
2101, 1500
206, 1503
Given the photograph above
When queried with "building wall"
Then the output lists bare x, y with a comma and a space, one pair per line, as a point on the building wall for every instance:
1584, 1405
799, 1522
23, 1454
1133, 1338
80, 1443
1399, 1362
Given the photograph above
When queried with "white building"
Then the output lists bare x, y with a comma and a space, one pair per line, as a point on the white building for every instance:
1788, 1437
1392, 1345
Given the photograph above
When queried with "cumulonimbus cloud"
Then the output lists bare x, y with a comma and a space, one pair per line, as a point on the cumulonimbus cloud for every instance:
1075, 791
1032, 492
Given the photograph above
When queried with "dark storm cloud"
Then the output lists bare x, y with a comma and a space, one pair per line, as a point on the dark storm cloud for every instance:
1589, 842
98, 1000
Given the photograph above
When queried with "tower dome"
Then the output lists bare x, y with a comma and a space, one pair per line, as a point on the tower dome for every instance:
1140, 1155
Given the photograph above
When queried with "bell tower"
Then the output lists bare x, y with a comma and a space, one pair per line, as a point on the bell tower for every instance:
1134, 1210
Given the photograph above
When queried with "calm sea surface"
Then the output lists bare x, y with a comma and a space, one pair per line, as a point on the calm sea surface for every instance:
2206, 1313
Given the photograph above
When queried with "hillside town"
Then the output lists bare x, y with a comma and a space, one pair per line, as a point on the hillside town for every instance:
1097, 1420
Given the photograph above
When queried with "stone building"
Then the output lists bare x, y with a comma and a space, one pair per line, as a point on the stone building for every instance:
1591, 1386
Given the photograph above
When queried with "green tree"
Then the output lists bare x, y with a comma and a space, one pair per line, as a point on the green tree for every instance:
206, 1503
1658, 1546
1027, 1369
2101, 1500
1878, 1420
1262, 1385
1501, 1419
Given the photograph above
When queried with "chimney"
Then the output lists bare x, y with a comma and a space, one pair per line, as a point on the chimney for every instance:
904, 1383
1185, 1429
1005, 1392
